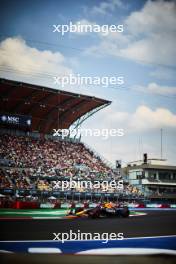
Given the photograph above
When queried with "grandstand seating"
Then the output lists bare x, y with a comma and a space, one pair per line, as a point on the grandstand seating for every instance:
28, 163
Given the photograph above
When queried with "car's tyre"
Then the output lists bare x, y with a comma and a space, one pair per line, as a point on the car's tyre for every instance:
95, 213
125, 212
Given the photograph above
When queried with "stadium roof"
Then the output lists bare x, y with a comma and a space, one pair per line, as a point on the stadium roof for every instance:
49, 108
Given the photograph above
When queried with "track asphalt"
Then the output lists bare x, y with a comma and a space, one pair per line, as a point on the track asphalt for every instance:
155, 223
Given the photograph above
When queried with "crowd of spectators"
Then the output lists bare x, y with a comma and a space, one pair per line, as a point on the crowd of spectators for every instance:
4, 181
28, 163
48, 155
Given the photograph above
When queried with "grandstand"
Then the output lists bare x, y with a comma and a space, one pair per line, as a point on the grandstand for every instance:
32, 160
49, 108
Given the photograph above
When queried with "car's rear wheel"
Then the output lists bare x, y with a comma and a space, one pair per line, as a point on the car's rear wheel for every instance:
125, 212
94, 213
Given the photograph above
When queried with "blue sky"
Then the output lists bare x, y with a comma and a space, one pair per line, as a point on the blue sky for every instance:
144, 54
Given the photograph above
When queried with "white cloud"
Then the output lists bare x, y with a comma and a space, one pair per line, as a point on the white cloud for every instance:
106, 7
157, 49
143, 123
149, 35
156, 16
82, 24
16, 56
153, 32
110, 44
143, 119
154, 88
26, 64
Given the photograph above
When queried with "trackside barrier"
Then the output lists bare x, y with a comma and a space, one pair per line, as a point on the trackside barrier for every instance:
158, 206
25, 205
132, 205
173, 206
66, 205
46, 205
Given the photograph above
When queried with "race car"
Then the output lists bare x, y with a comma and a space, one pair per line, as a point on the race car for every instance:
100, 211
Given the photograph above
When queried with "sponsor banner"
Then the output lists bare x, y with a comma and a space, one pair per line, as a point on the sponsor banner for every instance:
173, 206
16, 120
158, 205
65, 205
46, 205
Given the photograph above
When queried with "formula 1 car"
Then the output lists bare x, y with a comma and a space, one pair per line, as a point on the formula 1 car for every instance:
105, 210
